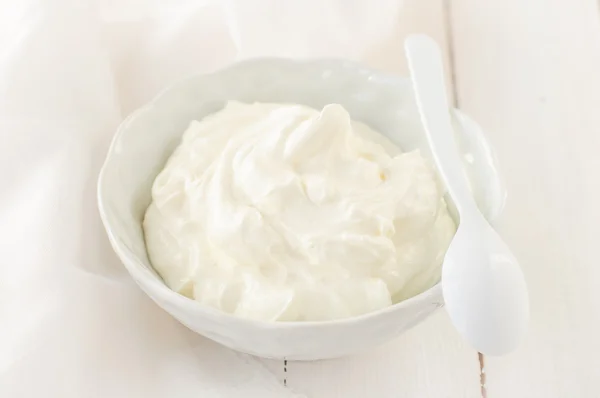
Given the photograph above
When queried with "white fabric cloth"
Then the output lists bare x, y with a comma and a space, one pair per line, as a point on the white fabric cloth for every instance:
72, 322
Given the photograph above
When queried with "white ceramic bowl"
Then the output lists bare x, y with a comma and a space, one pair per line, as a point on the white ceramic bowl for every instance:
146, 138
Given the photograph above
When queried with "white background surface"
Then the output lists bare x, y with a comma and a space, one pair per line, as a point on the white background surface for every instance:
73, 325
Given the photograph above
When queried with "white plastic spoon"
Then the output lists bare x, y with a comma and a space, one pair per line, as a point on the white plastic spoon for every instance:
484, 289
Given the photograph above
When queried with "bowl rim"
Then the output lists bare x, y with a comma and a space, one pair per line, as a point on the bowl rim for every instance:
143, 276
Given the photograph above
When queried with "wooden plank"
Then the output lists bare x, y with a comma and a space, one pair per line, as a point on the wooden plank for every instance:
429, 360
415, 16
529, 72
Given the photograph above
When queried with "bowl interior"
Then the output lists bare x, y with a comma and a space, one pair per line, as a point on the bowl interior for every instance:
145, 139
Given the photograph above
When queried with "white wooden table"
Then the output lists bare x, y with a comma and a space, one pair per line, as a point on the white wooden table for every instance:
529, 73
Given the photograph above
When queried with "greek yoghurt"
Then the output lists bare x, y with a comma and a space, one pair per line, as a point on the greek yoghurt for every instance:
286, 213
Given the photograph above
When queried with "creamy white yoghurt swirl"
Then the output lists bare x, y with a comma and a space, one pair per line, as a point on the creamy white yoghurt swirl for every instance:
282, 212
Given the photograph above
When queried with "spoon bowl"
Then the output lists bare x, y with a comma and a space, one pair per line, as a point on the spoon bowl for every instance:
484, 288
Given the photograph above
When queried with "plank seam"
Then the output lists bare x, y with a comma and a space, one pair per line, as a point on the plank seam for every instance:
450, 44
456, 101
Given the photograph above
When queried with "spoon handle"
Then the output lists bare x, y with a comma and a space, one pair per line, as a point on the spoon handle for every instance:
426, 69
